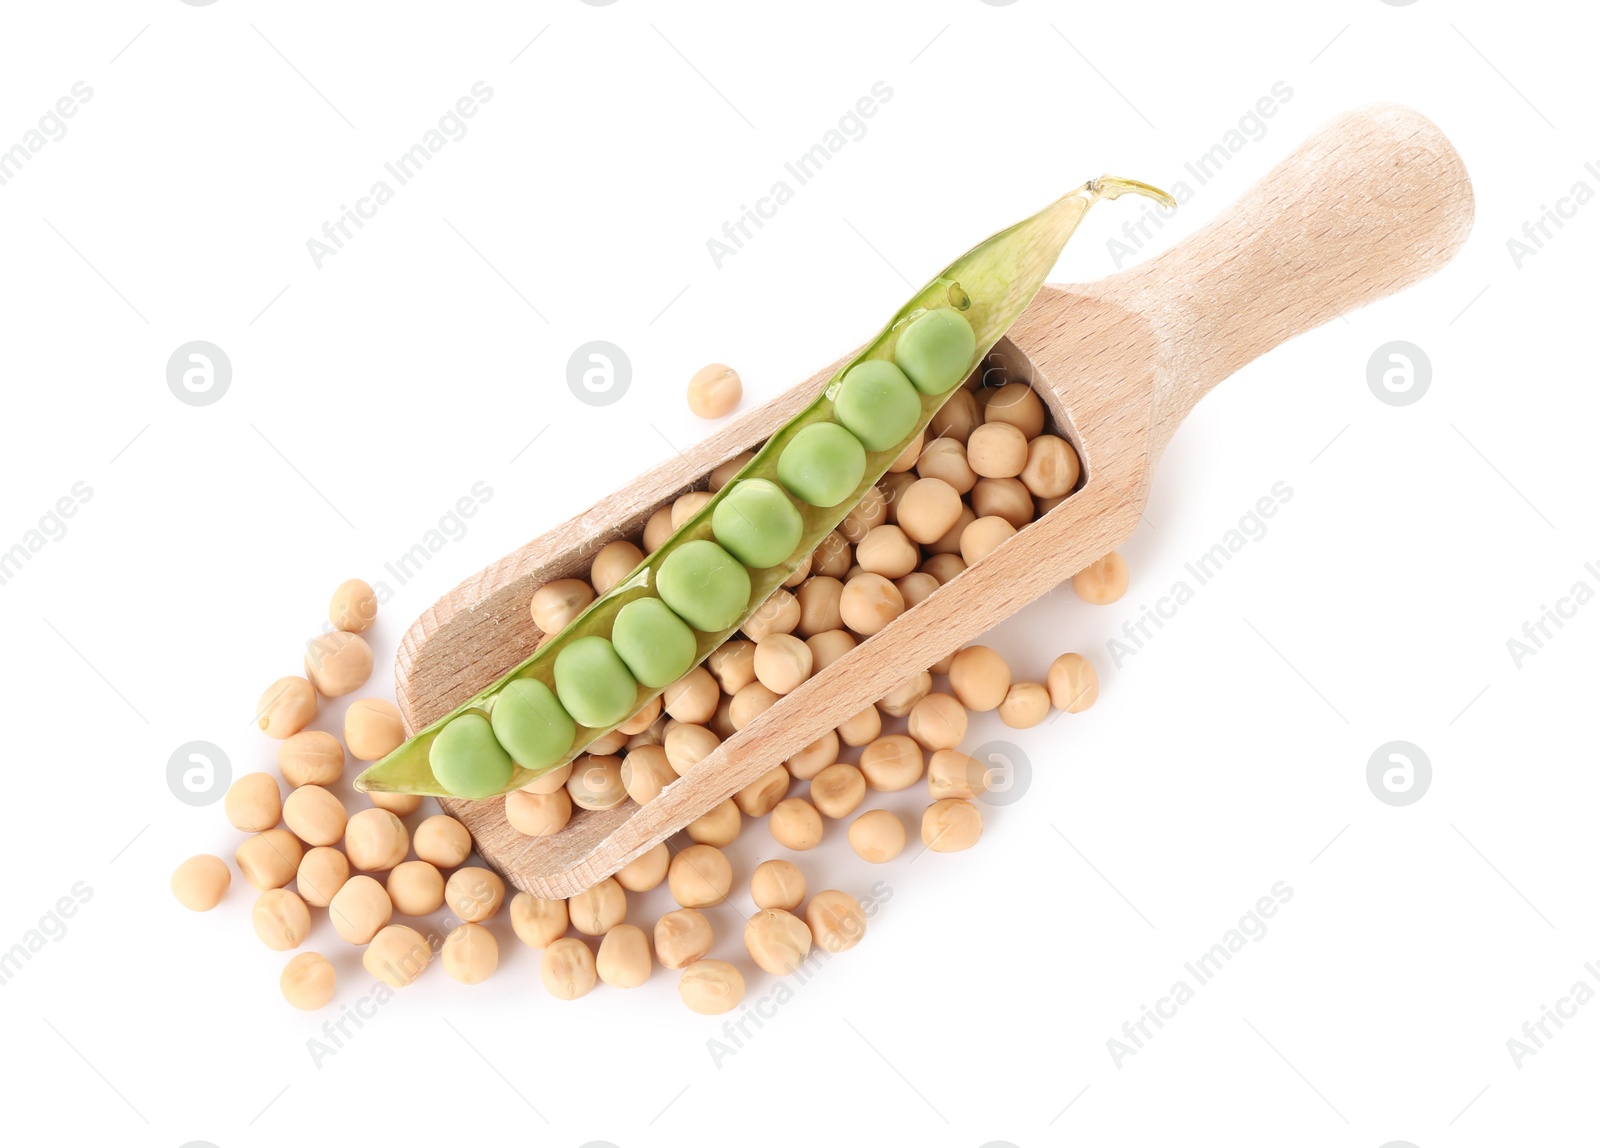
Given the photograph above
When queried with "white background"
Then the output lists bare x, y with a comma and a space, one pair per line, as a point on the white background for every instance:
368, 396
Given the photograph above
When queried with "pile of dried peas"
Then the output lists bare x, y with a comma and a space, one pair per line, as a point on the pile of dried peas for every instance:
991, 466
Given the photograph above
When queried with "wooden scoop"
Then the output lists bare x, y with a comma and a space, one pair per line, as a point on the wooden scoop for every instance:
1376, 200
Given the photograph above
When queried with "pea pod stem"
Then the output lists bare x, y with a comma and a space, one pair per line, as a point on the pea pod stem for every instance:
990, 286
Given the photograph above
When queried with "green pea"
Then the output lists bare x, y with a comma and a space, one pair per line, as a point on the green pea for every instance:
877, 404
822, 465
934, 350
704, 585
593, 684
467, 760
756, 523
656, 644
530, 724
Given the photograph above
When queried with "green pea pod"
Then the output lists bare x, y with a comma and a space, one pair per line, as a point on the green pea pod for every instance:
988, 287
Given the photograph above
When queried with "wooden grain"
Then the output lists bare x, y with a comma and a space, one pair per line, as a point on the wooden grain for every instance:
1374, 201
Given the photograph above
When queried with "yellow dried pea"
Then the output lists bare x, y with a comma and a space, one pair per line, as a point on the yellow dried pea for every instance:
1017, 404
321, 874
877, 836
682, 937
415, 888
624, 957
699, 875
443, 841
777, 941
1026, 705
950, 825
1052, 468
795, 824
311, 757
547, 783
952, 773
869, 602
200, 882
567, 969
750, 703
723, 474
782, 662
599, 908
470, 954
892, 763
646, 772
1102, 582
719, 825
1003, 498
983, 536
818, 599
353, 607
900, 701
693, 697
375, 840
281, 919
938, 721
359, 909
537, 922
397, 955
615, 561
829, 646
253, 803
777, 884
928, 509
946, 460
555, 604
315, 815
836, 921
307, 981
338, 663
1072, 683
596, 783
733, 665
860, 728
474, 894
687, 746
838, 790
286, 707
887, 550
711, 987
979, 678
714, 390
779, 614
269, 859
373, 728
647, 870
758, 798
656, 531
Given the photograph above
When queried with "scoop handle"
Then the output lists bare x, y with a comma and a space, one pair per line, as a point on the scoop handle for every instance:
1375, 200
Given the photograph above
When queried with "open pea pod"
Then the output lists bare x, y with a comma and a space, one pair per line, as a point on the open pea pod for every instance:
934, 342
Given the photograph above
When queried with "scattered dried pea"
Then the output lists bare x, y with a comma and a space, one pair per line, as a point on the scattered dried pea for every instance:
647, 870
474, 894
714, 390
838, 790
359, 909
1103, 581
1072, 683
1026, 705
443, 841
314, 815
311, 757
711, 987
286, 707
624, 958
373, 728
567, 969
353, 606
200, 882
718, 826
397, 955
979, 678
415, 888
307, 981
950, 825
599, 908
698, 876
537, 922
321, 874
470, 954
269, 859
877, 836
836, 921
682, 937
375, 840
253, 803
777, 884
795, 824
938, 721
777, 941
338, 663
281, 919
